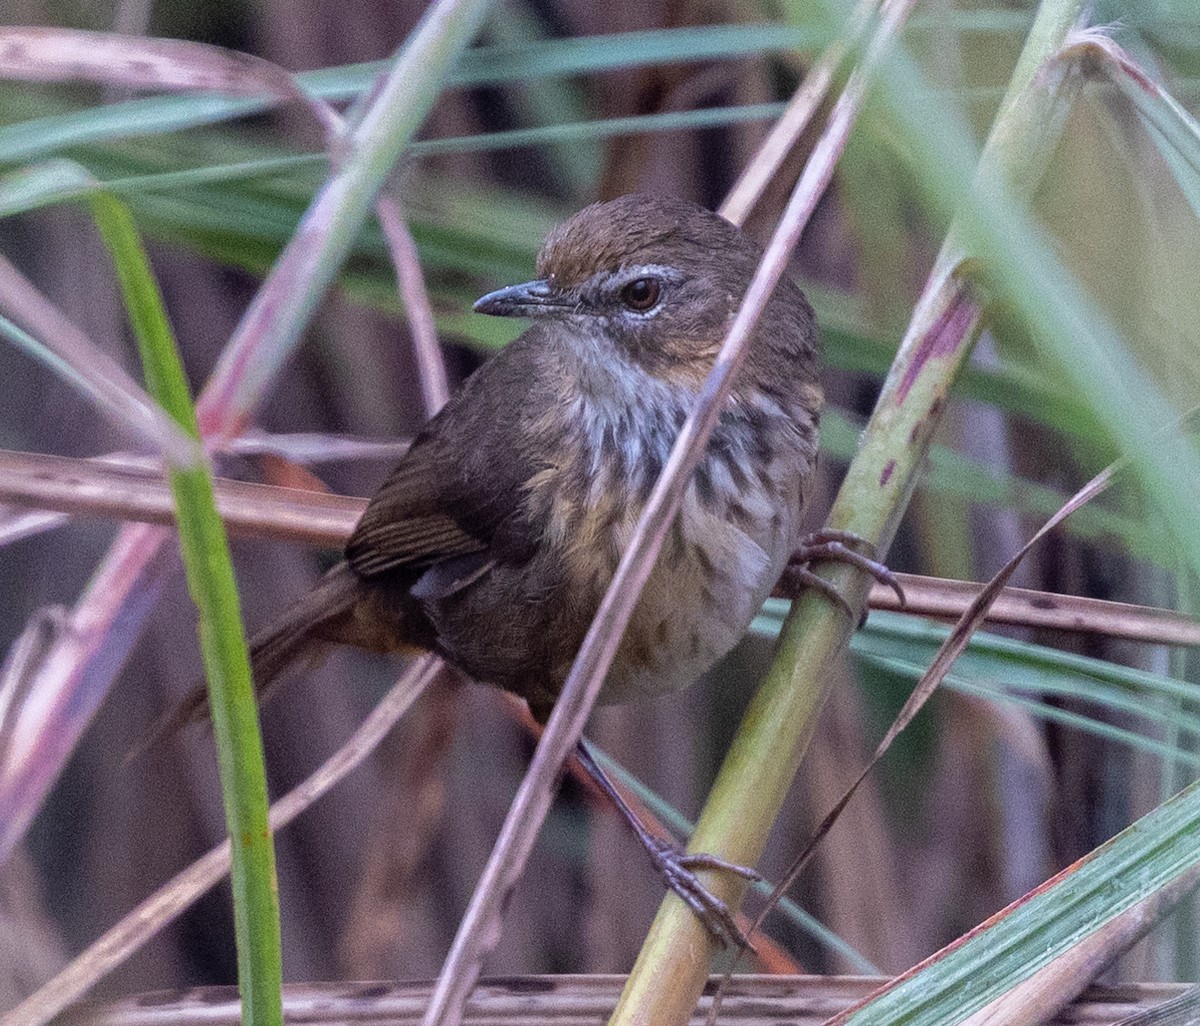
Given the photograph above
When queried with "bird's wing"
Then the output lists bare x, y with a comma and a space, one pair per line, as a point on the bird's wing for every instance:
460, 489
405, 526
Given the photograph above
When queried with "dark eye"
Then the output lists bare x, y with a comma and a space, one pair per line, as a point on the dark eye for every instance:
641, 294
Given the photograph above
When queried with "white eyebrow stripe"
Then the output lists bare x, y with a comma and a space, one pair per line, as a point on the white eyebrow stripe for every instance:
631, 272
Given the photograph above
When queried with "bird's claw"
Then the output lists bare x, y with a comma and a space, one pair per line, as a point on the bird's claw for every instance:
678, 870
836, 545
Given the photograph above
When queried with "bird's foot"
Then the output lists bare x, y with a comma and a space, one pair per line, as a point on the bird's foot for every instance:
835, 545
678, 869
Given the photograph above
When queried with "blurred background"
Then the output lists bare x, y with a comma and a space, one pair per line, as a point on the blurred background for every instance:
1012, 773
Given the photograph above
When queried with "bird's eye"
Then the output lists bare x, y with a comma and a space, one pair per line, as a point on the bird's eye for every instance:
641, 294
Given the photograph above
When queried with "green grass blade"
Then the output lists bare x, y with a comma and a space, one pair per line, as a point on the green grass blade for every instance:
496, 65
705, 117
486, 66
1146, 857
1003, 669
211, 582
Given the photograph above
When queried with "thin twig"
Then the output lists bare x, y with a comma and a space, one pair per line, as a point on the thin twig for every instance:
48, 54
90, 368
761, 170
435, 388
54, 486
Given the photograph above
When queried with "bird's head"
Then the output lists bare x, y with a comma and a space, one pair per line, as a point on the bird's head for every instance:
661, 280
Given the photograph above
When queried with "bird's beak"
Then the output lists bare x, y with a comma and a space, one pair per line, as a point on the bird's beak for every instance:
526, 300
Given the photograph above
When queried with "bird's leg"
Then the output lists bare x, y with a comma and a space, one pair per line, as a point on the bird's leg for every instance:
676, 867
836, 545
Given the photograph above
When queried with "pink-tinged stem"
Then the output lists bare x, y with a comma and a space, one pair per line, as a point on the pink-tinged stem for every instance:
66, 689
435, 388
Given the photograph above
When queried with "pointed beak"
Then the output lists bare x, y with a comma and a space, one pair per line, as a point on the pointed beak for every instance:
526, 300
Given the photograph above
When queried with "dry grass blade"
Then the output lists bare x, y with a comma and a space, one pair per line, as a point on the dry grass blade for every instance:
975, 613
138, 926
566, 999
27, 652
1181, 1010
16, 524
65, 687
133, 490
63, 55
315, 447
761, 170
106, 382
945, 599
435, 388
86, 486
66, 485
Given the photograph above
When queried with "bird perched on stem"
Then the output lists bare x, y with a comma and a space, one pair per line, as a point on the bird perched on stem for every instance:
494, 539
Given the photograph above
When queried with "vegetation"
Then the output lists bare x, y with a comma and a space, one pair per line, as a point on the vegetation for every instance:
1012, 175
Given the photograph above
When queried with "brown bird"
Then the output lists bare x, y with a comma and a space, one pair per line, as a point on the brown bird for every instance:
494, 539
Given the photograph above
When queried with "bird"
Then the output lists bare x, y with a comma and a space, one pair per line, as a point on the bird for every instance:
494, 538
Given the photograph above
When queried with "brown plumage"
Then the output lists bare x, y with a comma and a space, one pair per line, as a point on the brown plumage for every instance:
495, 537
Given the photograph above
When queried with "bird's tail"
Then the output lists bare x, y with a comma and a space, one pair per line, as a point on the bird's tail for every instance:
315, 620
